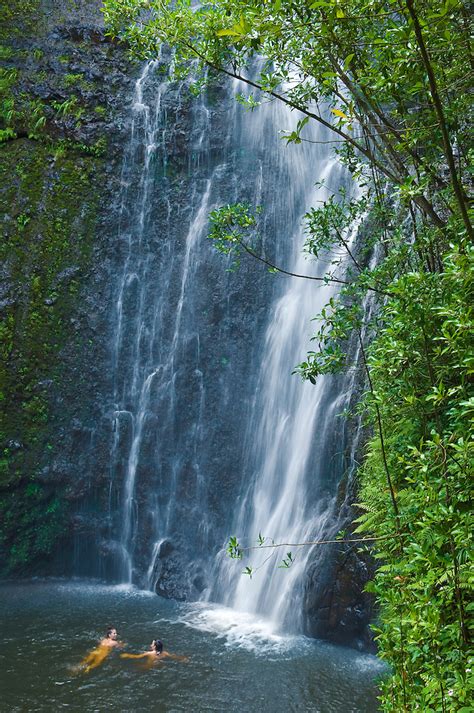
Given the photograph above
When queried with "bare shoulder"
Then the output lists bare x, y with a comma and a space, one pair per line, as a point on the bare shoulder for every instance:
108, 643
175, 657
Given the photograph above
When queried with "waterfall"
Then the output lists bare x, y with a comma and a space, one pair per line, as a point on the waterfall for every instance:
211, 434
290, 441
145, 355
131, 396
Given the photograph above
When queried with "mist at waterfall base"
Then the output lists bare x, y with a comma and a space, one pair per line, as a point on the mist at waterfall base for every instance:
52, 625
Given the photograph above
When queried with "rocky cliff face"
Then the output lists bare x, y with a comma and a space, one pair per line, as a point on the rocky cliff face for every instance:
63, 88
66, 93
337, 607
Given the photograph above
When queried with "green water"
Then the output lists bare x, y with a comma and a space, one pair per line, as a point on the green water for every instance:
235, 662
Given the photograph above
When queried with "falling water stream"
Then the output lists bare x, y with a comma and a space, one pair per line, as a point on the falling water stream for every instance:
133, 391
145, 351
288, 434
290, 458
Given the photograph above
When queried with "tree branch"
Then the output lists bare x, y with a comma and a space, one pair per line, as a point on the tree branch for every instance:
325, 279
311, 543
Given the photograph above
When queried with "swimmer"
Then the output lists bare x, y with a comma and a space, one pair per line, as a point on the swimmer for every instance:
96, 657
155, 653
111, 638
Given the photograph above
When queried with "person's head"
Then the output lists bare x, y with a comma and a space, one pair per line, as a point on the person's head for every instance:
111, 633
157, 646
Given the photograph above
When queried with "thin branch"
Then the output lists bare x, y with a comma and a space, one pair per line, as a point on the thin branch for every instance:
381, 436
325, 279
311, 543
287, 272
420, 199
235, 75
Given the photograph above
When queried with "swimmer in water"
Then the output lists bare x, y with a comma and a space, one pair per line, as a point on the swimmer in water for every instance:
110, 639
155, 653
96, 657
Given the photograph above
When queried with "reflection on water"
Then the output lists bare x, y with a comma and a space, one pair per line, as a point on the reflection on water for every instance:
235, 661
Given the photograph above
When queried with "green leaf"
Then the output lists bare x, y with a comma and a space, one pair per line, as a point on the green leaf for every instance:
231, 32
338, 112
241, 29
347, 61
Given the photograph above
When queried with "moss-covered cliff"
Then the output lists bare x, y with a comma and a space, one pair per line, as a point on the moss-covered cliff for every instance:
58, 122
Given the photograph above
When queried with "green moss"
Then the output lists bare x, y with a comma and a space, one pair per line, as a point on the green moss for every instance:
50, 186
41, 520
71, 80
19, 17
6, 52
49, 229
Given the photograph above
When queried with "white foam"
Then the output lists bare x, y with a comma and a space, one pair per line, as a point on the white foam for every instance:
97, 588
130, 589
241, 629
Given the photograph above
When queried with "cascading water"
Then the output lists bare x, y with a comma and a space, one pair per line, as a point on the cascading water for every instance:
145, 352
130, 395
289, 496
290, 435
208, 419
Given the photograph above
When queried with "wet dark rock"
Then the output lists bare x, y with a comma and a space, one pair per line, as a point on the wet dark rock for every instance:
8, 302
166, 549
336, 605
173, 583
90, 35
